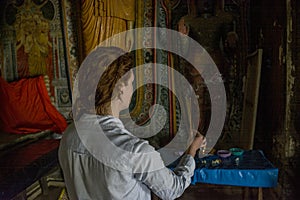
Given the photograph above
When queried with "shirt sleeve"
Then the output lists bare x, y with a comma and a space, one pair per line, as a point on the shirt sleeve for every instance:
170, 184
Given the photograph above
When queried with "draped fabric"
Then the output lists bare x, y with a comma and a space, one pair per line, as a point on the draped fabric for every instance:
103, 19
26, 107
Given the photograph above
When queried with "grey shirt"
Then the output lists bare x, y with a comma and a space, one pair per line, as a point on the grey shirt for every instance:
88, 178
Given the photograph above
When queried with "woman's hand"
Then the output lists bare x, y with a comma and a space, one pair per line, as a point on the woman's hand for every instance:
198, 142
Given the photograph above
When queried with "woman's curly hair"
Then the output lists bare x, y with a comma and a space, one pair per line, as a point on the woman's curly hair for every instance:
113, 67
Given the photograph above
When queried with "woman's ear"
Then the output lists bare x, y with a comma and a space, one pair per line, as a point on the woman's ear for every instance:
120, 95
120, 92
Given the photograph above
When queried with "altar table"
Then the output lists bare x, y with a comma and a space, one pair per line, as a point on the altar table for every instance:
252, 169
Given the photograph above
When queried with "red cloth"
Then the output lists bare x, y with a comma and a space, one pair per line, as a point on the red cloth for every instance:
26, 107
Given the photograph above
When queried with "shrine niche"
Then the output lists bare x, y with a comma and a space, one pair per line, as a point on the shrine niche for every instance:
220, 27
32, 44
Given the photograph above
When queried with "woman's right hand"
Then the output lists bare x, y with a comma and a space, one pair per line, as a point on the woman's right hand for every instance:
198, 142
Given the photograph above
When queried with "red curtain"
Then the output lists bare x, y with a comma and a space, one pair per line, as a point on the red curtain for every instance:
26, 107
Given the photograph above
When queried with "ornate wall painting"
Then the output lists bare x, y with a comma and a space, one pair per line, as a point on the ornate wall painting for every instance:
33, 44
150, 94
155, 14
145, 96
71, 18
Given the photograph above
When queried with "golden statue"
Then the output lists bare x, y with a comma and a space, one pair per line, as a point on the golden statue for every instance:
102, 19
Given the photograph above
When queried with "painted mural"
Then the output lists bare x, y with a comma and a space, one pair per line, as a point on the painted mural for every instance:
32, 44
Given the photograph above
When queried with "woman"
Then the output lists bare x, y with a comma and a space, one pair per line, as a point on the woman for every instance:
89, 177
